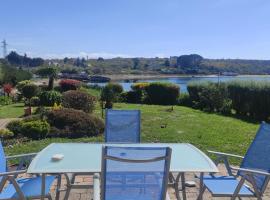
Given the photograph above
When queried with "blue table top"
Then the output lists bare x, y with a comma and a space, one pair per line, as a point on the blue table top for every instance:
86, 157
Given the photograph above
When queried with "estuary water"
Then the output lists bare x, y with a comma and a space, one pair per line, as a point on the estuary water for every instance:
183, 81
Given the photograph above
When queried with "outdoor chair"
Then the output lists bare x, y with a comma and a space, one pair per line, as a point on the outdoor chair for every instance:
254, 170
122, 126
127, 163
12, 187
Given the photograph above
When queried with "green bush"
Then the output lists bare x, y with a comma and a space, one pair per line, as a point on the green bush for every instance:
79, 100
49, 98
162, 93
5, 133
73, 123
21, 84
15, 127
210, 97
5, 100
251, 98
34, 101
35, 129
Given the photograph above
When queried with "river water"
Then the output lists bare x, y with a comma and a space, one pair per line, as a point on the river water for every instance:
183, 81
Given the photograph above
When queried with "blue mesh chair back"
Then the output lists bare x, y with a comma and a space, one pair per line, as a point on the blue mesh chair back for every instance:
3, 162
122, 167
123, 126
258, 155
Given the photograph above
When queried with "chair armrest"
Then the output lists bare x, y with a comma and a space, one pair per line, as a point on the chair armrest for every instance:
13, 173
225, 154
21, 156
251, 171
96, 183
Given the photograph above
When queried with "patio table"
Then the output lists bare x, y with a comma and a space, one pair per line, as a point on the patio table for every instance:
86, 157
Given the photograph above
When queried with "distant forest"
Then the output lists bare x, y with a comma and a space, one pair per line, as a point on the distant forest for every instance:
184, 64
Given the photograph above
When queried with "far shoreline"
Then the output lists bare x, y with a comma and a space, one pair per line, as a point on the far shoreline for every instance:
121, 77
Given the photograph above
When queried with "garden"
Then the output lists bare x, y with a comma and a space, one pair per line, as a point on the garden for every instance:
71, 111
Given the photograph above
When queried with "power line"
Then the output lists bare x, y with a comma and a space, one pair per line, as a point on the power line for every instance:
4, 48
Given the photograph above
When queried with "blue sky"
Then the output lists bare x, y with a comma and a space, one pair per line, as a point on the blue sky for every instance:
130, 28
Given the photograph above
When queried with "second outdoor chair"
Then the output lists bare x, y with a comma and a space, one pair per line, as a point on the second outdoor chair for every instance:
123, 126
125, 164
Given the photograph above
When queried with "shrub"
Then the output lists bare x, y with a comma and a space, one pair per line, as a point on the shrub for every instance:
29, 91
5, 100
74, 123
35, 129
162, 93
250, 98
5, 133
49, 98
15, 127
7, 88
35, 101
211, 97
111, 93
78, 100
21, 84
69, 84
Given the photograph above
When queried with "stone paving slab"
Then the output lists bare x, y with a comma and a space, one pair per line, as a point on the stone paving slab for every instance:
192, 192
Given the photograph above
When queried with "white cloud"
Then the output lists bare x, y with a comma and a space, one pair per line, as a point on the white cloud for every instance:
85, 54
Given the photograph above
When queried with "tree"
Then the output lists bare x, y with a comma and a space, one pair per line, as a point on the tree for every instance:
136, 62
167, 63
29, 91
110, 93
50, 72
14, 58
189, 62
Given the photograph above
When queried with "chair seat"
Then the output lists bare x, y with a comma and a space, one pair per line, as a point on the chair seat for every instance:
225, 186
31, 187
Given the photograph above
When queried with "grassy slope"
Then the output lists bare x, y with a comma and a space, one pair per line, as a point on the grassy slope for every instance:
206, 131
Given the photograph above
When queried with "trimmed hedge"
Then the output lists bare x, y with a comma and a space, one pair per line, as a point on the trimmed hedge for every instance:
79, 100
35, 129
251, 98
210, 97
153, 93
73, 123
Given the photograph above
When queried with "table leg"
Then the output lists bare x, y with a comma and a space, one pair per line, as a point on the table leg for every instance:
183, 182
176, 186
59, 179
42, 186
202, 188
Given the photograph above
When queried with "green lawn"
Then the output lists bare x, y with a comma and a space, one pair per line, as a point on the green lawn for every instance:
204, 130
12, 110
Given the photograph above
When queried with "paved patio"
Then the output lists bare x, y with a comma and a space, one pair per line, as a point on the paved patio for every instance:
192, 192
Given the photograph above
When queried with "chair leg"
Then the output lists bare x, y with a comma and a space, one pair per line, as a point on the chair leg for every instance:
202, 190
67, 193
237, 189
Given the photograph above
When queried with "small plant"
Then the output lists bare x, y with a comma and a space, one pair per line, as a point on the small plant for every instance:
5, 133
5, 100
7, 89
15, 127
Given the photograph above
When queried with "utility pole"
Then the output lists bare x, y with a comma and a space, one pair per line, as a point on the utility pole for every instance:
4, 48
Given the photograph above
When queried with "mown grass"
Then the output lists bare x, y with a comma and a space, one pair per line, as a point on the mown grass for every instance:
12, 111
183, 124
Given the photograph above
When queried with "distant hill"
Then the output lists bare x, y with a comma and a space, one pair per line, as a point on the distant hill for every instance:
184, 64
